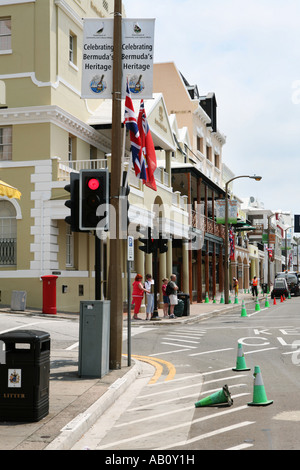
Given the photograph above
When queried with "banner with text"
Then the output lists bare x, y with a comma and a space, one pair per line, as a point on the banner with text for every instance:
220, 211
137, 57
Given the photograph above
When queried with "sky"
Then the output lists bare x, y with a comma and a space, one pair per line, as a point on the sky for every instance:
248, 54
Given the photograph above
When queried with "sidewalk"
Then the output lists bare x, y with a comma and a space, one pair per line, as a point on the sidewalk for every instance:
76, 403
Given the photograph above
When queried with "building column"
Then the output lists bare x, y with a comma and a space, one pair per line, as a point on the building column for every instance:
169, 260
214, 270
162, 274
185, 267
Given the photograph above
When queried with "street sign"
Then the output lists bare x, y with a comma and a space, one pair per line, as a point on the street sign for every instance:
130, 249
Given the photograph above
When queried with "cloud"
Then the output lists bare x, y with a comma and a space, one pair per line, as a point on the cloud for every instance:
248, 54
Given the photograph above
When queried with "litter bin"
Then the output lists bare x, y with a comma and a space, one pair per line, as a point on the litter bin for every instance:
179, 308
24, 375
49, 294
186, 300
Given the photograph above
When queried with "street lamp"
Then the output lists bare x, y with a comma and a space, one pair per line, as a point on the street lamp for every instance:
226, 273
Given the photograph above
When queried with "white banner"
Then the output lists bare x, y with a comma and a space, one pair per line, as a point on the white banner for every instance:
137, 57
97, 58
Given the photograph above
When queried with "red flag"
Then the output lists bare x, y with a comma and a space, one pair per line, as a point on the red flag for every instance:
147, 148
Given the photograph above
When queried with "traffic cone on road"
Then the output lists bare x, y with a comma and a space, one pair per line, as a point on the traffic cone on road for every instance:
206, 298
259, 394
257, 306
214, 301
281, 298
222, 299
267, 303
221, 397
236, 300
289, 295
240, 360
243, 312
274, 301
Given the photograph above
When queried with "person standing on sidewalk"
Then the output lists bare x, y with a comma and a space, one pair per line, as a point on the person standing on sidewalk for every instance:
165, 297
254, 286
236, 286
137, 295
173, 294
149, 285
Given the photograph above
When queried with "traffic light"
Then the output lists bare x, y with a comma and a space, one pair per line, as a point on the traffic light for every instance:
163, 244
93, 193
149, 242
73, 203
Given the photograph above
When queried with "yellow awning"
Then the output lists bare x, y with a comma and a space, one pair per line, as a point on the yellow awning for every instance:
9, 191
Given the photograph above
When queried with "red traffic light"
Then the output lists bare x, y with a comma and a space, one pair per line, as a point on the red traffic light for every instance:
93, 184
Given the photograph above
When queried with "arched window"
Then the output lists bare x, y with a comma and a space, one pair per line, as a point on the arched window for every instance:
8, 234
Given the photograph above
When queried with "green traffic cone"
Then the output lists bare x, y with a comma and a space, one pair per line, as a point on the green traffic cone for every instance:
267, 303
206, 298
221, 397
222, 299
214, 301
259, 394
240, 360
236, 300
257, 306
229, 301
289, 295
243, 312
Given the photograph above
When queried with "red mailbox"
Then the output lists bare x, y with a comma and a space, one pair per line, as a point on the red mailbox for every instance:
49, 294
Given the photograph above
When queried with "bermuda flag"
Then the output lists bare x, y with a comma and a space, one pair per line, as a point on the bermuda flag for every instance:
135, 139
231, 241
147, 147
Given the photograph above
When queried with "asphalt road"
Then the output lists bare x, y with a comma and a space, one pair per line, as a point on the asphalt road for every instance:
185, 363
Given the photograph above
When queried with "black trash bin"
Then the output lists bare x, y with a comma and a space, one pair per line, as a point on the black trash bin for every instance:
186, 301
24, 375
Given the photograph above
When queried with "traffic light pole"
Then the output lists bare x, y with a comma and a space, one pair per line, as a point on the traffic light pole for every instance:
97, 267
115, 273
155, 276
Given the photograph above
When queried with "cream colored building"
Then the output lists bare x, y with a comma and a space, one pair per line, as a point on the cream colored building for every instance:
46, 131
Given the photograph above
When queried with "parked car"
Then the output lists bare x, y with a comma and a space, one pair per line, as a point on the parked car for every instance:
280, 288
292, 281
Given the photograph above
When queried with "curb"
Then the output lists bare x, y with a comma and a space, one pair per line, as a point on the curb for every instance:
72, 432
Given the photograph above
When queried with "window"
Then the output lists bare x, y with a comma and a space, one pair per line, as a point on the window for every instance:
208, 153
5, 34
8, 234
217, 160
200, 144
73, 49
71, 149
6, 143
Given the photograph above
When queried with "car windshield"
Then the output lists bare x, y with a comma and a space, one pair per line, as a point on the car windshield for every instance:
279, 283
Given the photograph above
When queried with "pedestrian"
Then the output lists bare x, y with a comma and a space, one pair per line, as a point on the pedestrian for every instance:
138, 291
149, 285
172, 288
236, 286
254, 286
165, 297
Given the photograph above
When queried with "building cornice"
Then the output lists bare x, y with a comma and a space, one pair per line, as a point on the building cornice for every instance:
58, 117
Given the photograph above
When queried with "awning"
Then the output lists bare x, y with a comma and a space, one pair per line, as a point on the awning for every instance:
9, 191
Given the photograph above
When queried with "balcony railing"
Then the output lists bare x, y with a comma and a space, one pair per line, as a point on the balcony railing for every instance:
8, 250
66, 167
207, 225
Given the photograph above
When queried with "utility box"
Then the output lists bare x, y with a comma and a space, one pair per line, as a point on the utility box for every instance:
94, 336
18, 300
24, 375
